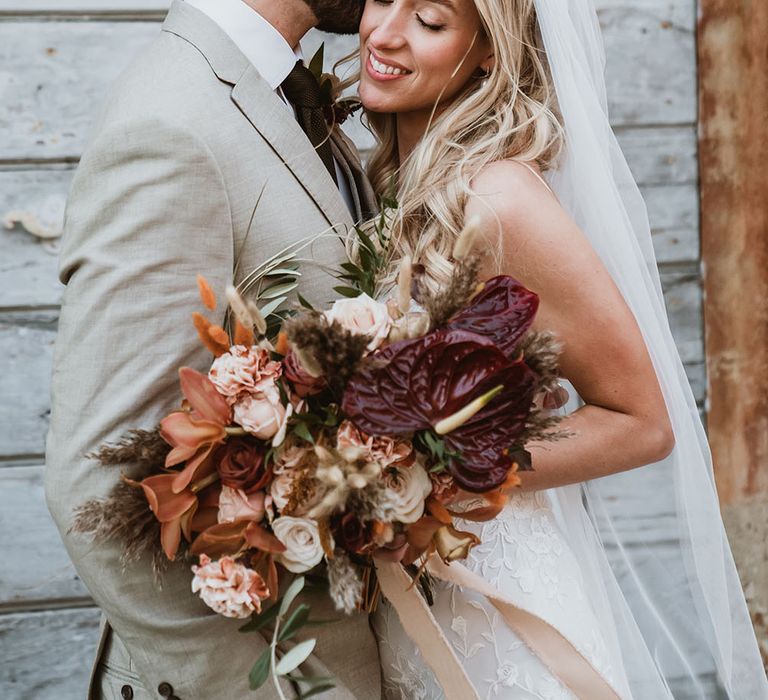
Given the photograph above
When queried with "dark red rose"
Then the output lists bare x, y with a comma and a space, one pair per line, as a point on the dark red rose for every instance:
240, 463
502, 311
350, 533
303, 382
412, 385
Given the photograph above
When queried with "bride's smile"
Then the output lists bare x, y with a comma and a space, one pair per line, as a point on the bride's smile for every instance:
419, 53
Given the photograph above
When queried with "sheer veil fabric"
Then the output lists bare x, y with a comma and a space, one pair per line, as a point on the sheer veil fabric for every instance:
666, 587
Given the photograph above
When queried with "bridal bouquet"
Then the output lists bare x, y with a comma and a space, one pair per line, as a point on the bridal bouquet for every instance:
351, 434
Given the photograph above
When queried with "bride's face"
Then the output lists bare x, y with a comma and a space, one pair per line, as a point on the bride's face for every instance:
416, 53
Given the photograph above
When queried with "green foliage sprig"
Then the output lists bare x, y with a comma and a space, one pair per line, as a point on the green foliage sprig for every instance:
286, 622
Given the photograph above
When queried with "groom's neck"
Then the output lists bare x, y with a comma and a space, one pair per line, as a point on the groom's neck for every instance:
292, 18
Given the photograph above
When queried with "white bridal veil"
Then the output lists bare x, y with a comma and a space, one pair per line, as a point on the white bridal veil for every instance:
666, 584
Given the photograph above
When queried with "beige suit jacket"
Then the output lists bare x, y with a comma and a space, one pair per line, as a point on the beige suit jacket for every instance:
190, 139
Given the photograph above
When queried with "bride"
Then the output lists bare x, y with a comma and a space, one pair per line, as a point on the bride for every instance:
495, 109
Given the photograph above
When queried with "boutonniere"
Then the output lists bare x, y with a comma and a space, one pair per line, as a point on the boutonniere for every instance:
337, 108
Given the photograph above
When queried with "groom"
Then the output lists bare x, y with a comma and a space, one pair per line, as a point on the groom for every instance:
215, 119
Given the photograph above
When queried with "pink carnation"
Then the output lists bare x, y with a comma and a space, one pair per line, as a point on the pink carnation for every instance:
229, 588
444, 488
382, 449
289, 457
243, 370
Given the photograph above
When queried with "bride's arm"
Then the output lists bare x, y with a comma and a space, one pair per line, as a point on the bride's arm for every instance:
624, 423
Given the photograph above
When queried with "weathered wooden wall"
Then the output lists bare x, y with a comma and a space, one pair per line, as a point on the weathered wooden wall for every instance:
56, 57
733, 95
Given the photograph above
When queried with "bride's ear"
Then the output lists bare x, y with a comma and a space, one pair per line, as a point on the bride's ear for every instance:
488, 63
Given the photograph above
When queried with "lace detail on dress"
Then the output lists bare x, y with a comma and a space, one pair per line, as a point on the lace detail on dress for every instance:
525, 556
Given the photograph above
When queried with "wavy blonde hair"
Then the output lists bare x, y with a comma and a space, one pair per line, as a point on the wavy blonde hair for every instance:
511, 114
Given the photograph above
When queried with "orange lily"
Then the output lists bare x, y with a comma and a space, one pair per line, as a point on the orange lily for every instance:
173, 510
230, 539
193, 434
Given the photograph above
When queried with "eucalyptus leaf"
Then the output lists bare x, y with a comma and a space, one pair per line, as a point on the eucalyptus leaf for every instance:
290, 595
294, 623
260, 670
261, 620
347, 292
295, 657
287, 271
301, 430
270, 307
278, 290
315, 691
307, 305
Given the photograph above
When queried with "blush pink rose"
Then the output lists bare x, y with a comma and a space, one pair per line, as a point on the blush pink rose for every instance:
229, 588
243, 370
384, 450
235, 504
261, 414
303, 382
362, 316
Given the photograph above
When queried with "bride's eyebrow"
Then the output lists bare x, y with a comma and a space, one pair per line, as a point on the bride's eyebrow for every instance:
445, 3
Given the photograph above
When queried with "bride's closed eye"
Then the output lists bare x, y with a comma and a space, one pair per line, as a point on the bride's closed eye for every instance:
427, 25
431, 26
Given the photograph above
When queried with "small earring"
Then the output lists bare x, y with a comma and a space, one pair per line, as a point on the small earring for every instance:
484, 78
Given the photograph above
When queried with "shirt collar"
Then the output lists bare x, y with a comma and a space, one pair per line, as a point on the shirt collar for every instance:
258, 40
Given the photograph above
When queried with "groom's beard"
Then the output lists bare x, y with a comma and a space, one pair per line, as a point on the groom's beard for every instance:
337, 16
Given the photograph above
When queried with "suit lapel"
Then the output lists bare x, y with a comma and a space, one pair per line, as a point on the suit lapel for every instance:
366, 206
269, 115
261, 106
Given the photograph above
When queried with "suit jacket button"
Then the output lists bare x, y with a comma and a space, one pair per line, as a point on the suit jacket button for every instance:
165, 689
126, 692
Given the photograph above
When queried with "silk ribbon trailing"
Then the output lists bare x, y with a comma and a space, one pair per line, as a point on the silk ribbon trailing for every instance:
545, 641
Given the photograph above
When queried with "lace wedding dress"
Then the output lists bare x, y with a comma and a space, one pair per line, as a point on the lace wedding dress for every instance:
524, 555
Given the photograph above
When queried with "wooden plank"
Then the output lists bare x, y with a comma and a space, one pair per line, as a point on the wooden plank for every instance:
55, 75
47, 655
26, 349
733, 116
123, 7
39, 569
26, 343
29, 263
661, 155
651, 62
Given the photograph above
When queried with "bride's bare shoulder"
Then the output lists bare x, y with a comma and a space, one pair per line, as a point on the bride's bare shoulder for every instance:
515, 196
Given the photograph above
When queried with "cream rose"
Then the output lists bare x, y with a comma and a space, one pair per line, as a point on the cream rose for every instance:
262, 414
229, 588
363, 316
410, 487
235, 504
243, 370
301, 537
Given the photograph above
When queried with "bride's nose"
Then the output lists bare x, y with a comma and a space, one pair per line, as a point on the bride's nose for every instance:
388, 34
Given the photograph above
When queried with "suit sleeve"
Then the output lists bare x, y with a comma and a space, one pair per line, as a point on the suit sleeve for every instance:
148, 211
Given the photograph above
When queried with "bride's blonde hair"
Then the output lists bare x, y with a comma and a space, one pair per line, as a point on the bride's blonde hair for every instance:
510, 114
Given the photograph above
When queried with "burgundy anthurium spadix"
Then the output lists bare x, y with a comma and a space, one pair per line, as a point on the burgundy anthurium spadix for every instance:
416, 384
502, 311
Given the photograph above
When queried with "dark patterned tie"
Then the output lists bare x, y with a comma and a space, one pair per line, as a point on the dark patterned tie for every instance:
303, 92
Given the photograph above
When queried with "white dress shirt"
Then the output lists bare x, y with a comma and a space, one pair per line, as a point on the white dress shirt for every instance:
266, 49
